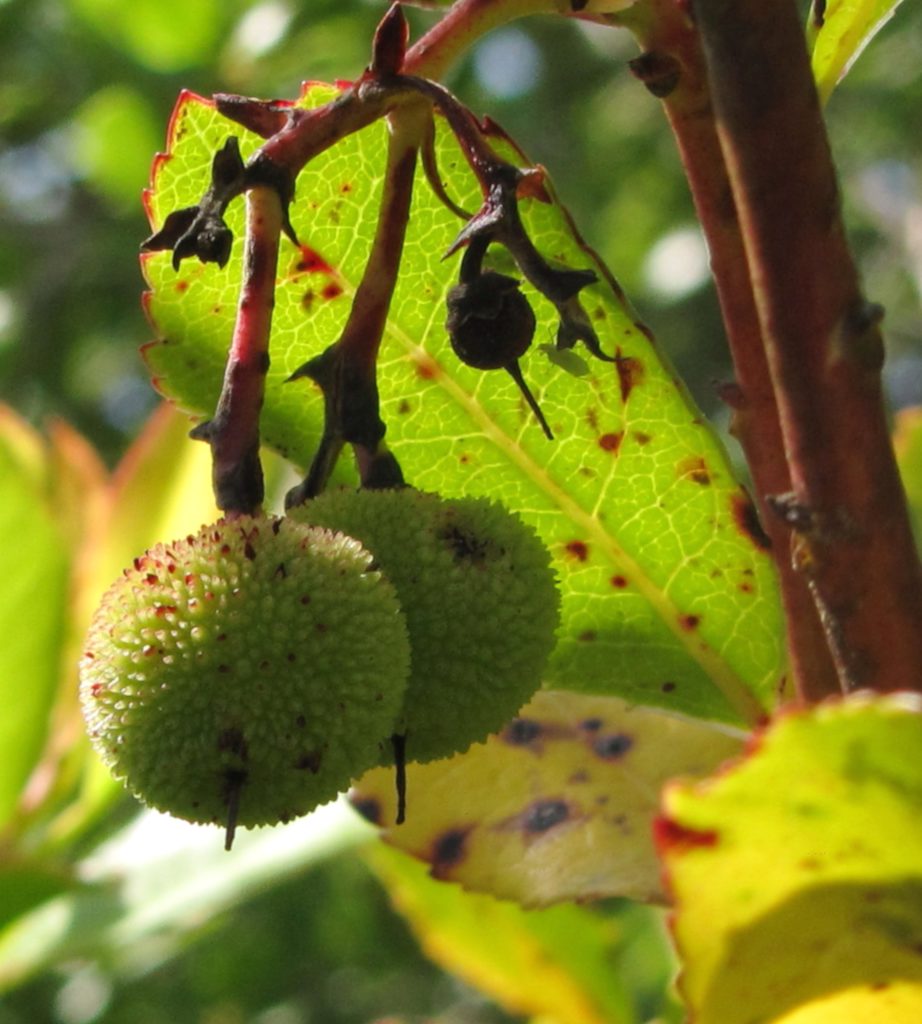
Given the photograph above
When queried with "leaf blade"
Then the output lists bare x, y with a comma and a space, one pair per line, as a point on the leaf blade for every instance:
669, 595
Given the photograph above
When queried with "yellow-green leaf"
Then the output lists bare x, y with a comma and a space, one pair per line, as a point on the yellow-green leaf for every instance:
557, 964
797, 873
669, 596
558, 806
907, 441
846, 29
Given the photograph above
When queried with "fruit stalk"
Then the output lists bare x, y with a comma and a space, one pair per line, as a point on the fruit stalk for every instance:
233, 432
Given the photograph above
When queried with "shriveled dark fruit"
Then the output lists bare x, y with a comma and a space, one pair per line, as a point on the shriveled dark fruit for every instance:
490, 322
246, 674
480, 599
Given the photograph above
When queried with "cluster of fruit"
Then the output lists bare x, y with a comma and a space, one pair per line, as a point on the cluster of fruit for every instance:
247, 674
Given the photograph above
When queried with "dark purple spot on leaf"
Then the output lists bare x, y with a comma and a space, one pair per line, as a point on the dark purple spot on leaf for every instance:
368, 807
614, 746
448, 849
520, 732
545, 814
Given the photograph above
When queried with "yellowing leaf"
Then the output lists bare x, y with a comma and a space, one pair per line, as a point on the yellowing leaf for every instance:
847, 28
557, 807
669, 596
797, 873
557, 964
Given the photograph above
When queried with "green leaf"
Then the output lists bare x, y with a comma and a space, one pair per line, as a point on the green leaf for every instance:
669, 595
558, 806
797, 874
848, 26
34, 570
555, 964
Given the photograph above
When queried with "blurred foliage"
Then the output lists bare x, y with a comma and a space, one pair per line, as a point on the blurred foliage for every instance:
86, 87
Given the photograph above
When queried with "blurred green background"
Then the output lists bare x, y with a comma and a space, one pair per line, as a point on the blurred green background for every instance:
86, 88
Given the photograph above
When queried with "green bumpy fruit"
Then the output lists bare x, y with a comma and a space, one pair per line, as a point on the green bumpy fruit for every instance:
481, 603
246, 674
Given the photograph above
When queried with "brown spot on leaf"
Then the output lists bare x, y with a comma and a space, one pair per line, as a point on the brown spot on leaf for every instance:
642, 438
577, 550
311, 262
403, 407
668, 687
630, 373
591, 724
332, 291
689, 622
182, 286
588, 636
695, 469
426, 369
611, 442
618, 582
747, 520
544, 815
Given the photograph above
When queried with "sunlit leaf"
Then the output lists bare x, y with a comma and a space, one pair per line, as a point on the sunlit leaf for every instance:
558, 806
797, 873
503, 950
846, 29
34, 567
669, 596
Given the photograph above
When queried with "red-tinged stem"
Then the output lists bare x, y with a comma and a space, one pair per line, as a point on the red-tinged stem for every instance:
467, 20
823, 343
672, 66
233, 433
